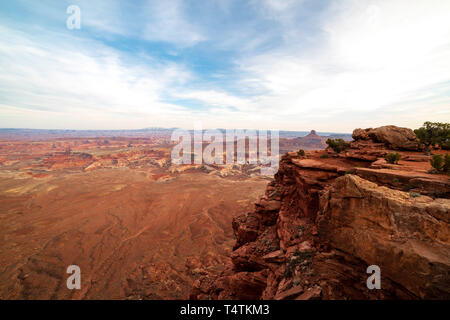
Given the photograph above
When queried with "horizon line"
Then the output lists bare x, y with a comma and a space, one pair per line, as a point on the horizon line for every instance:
175, 128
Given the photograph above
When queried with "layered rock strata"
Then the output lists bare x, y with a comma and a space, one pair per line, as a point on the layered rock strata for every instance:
326, 217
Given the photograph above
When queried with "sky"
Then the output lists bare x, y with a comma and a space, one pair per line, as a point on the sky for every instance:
257, 64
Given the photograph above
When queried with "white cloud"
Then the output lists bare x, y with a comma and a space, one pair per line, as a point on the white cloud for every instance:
82, 80
152, 20
372, 56
166, 22
358, 63
213, 98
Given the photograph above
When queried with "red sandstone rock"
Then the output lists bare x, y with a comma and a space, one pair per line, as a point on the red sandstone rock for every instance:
269, 205
407, 237
290, 293
275, 257
310, 294
394, 137
331, 225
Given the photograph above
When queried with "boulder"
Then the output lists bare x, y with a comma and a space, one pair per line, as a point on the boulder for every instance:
394, 137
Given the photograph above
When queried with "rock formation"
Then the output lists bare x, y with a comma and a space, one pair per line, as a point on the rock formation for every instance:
311, 141
326, 217
394, 137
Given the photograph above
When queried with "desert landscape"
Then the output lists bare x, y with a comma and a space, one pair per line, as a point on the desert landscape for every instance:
141, 227
193, 152
138, 226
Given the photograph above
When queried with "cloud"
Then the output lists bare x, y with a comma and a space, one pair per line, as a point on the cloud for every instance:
150, 20
213, 98
84, 78
371, 57
166, 22
328, 65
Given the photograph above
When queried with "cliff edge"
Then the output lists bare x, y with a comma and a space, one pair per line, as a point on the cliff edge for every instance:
328, 216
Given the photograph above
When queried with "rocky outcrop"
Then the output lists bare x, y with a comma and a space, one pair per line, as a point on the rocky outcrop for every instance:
392, 136
406, 180
326, 217
408, 238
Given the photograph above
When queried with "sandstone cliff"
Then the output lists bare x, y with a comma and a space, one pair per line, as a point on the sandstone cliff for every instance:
326, 217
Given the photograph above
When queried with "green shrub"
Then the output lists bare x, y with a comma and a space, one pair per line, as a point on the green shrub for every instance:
301, 153
434, 133
414, 194
446, 145
446, 167
337, 145
393, 157
437, 162
324, 156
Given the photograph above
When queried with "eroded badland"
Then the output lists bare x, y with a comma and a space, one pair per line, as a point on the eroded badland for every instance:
135, 225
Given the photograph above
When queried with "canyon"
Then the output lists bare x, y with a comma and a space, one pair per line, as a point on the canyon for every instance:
113, 203
141, 227
136, 225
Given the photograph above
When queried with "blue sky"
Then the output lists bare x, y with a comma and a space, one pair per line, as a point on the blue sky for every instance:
259, 64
